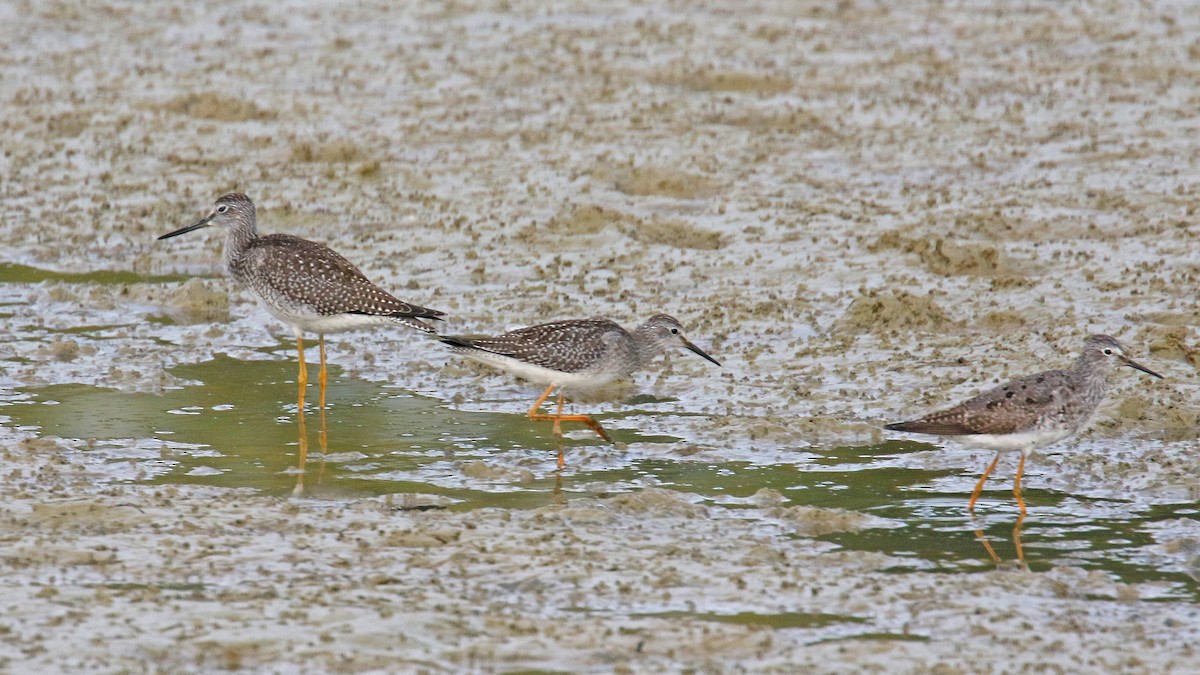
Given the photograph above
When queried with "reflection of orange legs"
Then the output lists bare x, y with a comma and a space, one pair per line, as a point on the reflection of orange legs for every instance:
323, 375
557, 492
1017, 538
1017, 485
979, 485
302, 377
323, 435
302, 454
558, 418
1016, 533
987, 546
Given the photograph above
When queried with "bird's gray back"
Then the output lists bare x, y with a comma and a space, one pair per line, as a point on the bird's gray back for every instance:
1051, 399
288, 271
571, 346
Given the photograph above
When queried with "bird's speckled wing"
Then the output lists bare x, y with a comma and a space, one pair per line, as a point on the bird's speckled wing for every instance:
312, 274
569, 346
1010, 408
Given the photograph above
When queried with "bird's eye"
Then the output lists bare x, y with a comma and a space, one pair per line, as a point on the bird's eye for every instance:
222, 208
674, 331
1108, 352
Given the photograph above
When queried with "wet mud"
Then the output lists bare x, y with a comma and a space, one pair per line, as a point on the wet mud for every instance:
863, 211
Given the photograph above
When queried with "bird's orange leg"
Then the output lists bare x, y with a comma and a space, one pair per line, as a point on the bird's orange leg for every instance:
323, 375
533, 414
302, 377
1017, 484
979, 485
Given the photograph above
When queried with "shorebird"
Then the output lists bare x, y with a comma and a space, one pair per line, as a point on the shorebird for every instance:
575, 355
307, 285
1029, 412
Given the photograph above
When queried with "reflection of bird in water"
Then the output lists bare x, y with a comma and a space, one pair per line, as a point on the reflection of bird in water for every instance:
302, 452
1016, 537
1029, 412
575, 355
307, 285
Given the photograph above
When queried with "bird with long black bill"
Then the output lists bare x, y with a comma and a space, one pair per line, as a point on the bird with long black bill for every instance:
1029, 412
307, 285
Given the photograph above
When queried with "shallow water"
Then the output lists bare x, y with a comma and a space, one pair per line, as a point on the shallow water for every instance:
865, 211
236, 426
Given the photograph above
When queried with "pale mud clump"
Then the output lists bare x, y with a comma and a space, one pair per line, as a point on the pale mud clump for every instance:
579, 220
1170, 422
991, 224
656, 501
337, 152
84, 514
707, 78
675, 233
760, 430
587, 220
65, 350
826, 429
813, 521
68, 124
429, 538
791, 121
893, 311
1172, 341
1003, 321
656, 181
211, 106
197, 301
950, 258
481, 470
330, 151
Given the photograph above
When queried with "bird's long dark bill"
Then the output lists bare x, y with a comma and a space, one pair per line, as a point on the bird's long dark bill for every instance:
699, 351
1134, 364
203, 222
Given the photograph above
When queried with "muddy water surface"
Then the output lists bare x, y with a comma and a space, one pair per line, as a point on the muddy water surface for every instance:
864, 211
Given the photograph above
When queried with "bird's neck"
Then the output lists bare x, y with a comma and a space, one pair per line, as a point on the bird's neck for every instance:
646, 347
237, 240
1093, 378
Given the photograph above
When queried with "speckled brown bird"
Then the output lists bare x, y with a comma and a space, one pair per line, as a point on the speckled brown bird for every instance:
307, 285
575, 355
1029, 412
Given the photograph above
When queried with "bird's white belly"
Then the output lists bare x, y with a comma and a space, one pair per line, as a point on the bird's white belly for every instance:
528, 371
1023, 441
308, 321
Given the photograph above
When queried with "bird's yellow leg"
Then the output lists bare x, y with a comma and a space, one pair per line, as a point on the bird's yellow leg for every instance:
979, 485
533, 414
